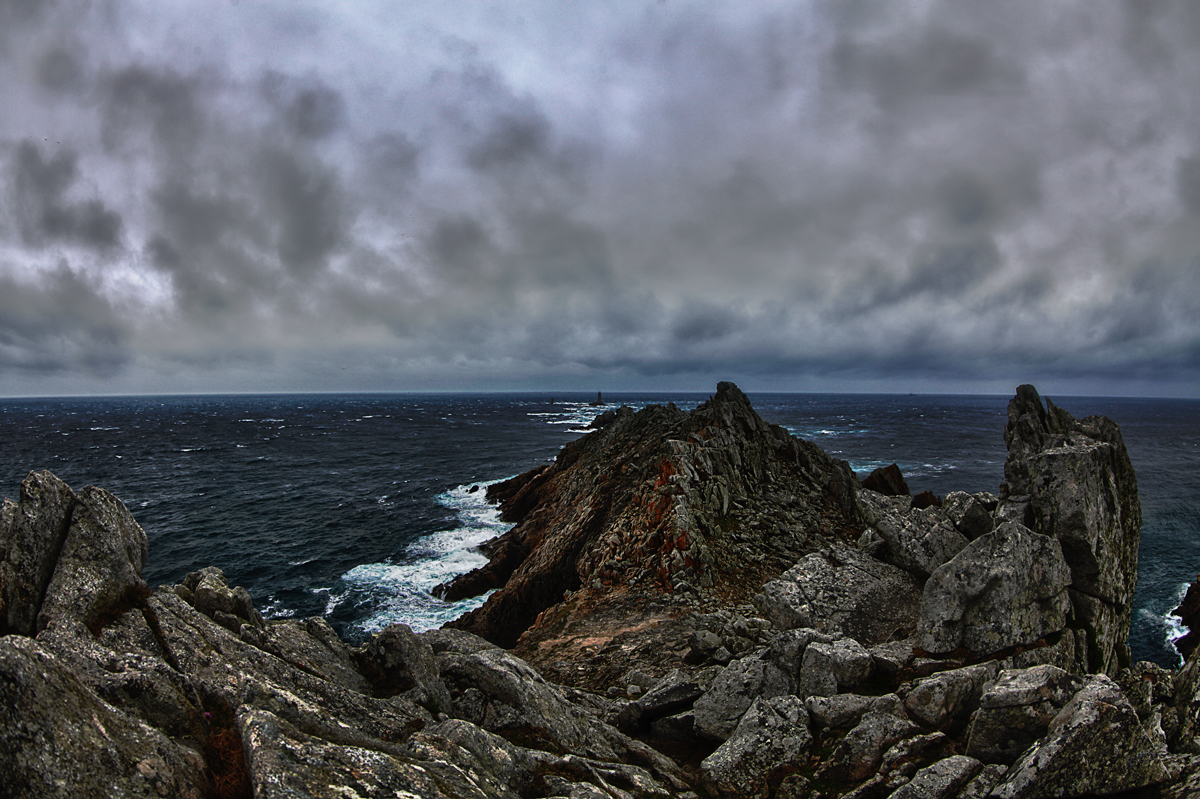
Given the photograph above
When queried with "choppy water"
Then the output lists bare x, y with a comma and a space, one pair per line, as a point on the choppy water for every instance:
354, 506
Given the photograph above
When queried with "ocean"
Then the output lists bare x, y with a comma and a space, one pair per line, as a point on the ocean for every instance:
353, 506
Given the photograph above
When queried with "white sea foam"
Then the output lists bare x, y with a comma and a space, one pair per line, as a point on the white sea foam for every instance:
401, 591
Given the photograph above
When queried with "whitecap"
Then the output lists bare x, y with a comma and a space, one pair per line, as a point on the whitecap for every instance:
401, 591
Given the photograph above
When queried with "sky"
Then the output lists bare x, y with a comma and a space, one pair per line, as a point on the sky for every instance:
260, 195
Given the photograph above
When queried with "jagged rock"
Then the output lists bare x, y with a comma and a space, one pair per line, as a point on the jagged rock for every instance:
981, 786
670, 695
919, 538
68, 558
718, 711
945, 700
892, 656
35, 531
230, 606
842, 590
941, 780
716, 499
971, 514
787, 651
770, 741
58, 739
1082, 491
1017, 709
284, 762
842, 711
1094, 745
172, 691
887, 480
397, 661
904, 757
859, 754
1004, 589
98, 570
1189, 613
828, 668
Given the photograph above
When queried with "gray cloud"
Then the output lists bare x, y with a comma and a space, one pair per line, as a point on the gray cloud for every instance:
40, 184
804, 194
60, 324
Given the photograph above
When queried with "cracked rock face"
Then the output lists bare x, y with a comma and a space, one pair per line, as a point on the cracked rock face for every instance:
1072, 480
1005, 588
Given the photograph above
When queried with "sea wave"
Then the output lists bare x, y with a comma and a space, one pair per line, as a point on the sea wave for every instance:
401, 591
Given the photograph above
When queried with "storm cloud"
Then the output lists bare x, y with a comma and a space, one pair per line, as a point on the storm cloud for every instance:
928, 196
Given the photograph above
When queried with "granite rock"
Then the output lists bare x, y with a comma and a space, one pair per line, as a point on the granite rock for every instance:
1006, 588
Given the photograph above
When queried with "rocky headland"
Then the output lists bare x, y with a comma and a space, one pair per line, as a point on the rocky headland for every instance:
688, 604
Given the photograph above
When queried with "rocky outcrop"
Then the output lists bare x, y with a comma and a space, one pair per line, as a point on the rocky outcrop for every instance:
784, 648
1072, 480
1189, 613
697, 508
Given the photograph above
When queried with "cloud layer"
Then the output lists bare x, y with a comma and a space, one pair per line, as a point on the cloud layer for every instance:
810, 196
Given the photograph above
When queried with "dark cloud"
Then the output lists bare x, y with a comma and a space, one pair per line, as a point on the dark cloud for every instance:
511, 139
1188, 182
154, 105
60, 70
934, 62
304, 200
699, 324
460, 248
390, 164
309, 108
60, 322
40, 185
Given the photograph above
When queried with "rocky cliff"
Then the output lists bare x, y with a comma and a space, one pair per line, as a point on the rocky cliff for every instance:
694, 604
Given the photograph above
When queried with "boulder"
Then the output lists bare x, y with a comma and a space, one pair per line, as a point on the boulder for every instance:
858, 755
919, 538
842, 590
941, 780
398, 661
1004, 589
1077, 485
971, 514
672, 694
887, 480
787, 651
1095, 745
829, 668
945, 700
770, 741
722, 706
36, 528
230, 606
97, 573
1016, 710
843, 711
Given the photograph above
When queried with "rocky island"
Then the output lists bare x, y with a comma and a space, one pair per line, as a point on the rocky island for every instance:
689, 604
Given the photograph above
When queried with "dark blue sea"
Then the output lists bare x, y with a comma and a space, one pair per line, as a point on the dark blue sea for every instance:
354, 506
